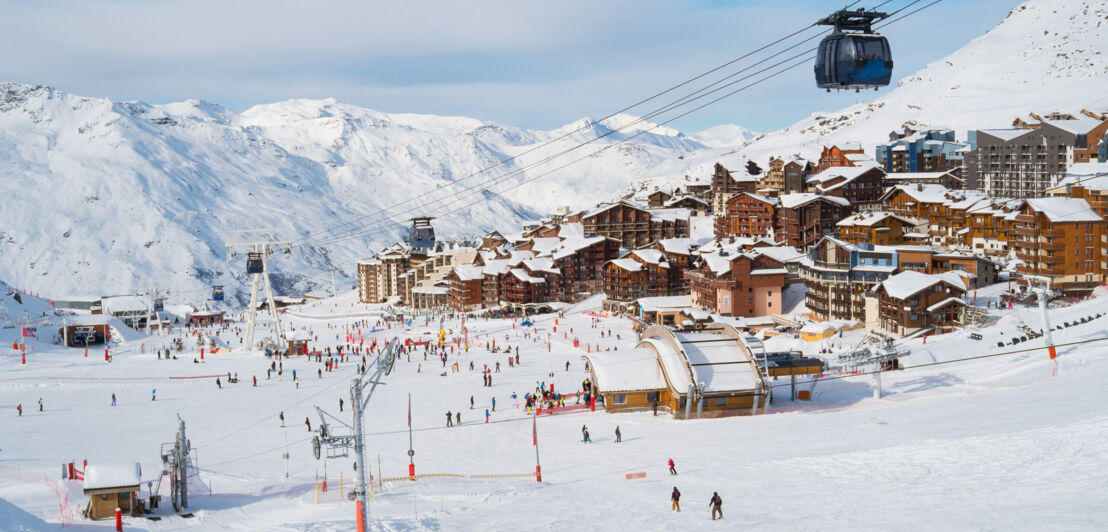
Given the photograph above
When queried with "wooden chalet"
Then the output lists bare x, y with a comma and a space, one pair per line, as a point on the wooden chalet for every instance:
747, 214
111, 486
910, 302
803, 218
879, 228
1061, 238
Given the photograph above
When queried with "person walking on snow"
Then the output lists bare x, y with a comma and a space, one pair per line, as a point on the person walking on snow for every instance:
154, 394
619, 437
486, 415
281, 416
449, 419
340, 404
40, 404
716, 504
675, 497
113, 399
494, 404
308, 422
458, 417
19, 407
672, 470
217, 384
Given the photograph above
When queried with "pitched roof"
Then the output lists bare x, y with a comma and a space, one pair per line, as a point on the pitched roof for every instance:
1064, 209
798, 199
869, 219
908, 283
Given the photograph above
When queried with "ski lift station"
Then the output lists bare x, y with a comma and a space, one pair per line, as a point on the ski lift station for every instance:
704, 374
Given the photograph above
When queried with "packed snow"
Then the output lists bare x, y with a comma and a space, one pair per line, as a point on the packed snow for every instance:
1012, 441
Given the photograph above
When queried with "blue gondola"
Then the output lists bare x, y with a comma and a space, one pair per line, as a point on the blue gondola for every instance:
853, 56
217, 293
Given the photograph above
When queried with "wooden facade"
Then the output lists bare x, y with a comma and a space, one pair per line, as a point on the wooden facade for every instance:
745, 284
1061, 238
802, 219
747, 214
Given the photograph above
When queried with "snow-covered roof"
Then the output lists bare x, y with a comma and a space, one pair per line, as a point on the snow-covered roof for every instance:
762, 198
923, 193
469, 273
650, 256
946, 302
669, 215
769, 271
718, 365
672, 363
1080, 126
679, 246
797, 199
907, 283
87, 319
124, 304
781, 253
630, 265
432, 290
869, 219
1064, 209
541, 264
917, 176
664, 303
120, 475
1005, 134
630, 370
522, 275
571, 230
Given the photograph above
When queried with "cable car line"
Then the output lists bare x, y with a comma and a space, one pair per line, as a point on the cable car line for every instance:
484, 186
632, 106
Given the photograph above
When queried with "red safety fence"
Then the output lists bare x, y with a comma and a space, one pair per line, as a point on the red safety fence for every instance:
66, 514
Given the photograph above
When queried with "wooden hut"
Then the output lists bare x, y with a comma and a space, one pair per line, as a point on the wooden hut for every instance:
298, 342
111, 486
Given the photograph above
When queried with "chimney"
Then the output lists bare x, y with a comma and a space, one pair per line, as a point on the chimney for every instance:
919, 187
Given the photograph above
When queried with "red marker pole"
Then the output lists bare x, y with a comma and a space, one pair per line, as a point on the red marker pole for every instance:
201, 353
118, 520
106, 357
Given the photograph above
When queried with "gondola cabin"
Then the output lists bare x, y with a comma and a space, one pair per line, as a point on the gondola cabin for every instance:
254, 263
853, 56
217, 293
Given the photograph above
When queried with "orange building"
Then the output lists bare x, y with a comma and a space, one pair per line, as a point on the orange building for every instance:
747, 214
1061, 238
735, 283
838, 156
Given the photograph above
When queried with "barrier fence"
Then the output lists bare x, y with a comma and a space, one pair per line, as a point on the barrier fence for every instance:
66, 514
458, 475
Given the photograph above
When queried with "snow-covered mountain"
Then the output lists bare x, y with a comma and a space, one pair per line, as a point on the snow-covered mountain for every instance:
1045, 56
106, 197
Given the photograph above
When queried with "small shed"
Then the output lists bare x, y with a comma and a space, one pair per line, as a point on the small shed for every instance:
630, 379
111, 486
298, 342
85, 330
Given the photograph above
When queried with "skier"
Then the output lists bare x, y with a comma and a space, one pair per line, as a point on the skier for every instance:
716, 504
19, 407
449, 419
255, 381
458, 417
486, 415
113, 399
471, 402
218, 385
340, 404
494, 404
676, 498
40, 404
154, 394
567, 365
619, 437
588, 439
308, 422
281, 416
672, 470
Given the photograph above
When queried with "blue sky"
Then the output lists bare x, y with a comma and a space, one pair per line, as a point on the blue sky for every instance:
529, 64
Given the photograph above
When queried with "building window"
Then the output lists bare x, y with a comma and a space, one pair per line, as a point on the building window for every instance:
651, 397
619, 398
721, 401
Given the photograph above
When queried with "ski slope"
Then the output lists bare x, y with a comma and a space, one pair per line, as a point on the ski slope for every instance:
1008, 442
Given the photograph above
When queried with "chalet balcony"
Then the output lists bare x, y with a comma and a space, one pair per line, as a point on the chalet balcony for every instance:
1033, 231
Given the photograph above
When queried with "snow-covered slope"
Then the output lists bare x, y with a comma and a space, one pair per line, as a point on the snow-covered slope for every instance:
108, 197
